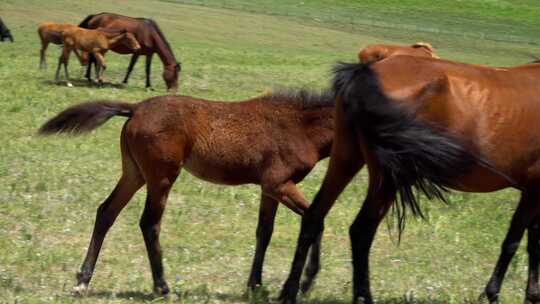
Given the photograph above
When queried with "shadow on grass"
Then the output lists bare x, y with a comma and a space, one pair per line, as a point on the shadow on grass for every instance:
127, 295
85, 84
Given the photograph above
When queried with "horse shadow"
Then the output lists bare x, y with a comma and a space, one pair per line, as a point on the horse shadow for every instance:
262, 297
85, 83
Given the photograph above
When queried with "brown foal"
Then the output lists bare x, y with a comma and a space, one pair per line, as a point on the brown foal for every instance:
50, 32
96, 42
273, 140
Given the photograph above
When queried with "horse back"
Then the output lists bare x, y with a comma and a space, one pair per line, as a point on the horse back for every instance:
496, 111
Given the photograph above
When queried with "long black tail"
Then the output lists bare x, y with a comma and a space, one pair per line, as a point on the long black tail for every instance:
411, 153
86, 117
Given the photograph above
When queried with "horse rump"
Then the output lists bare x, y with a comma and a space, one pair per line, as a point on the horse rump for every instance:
411, 154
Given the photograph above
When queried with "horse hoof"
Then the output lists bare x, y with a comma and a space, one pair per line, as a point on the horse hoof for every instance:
81, 289
161, 291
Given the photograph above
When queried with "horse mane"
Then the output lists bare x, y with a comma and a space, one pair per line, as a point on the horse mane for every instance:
84, 23
304, 98
159, 32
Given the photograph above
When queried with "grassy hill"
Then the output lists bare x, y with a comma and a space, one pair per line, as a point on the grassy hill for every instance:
232, 50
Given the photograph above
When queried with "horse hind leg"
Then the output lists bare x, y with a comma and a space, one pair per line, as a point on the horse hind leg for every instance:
129, 183
160, 163
526, 212
532, 295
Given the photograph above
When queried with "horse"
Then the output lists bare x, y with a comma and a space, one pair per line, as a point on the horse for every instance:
50, 32
273, 141
433, 125
377, 52
5, 33
151, 39
95, 42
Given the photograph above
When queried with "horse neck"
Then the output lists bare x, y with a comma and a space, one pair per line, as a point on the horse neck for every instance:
319, 127
164, 51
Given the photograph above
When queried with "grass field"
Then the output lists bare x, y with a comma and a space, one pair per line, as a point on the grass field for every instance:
232, 50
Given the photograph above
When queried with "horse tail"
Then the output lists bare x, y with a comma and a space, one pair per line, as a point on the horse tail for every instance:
411, 154
86, 117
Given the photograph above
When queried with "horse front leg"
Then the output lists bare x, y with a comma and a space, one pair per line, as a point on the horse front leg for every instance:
345, 162
532, 295
148, 69
132, 63
100, 69
265, 228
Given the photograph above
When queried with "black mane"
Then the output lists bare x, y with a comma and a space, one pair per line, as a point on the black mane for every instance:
304, 98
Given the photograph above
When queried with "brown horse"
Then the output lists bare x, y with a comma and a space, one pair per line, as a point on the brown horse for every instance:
273, 141
151, 39
433, 125
95, 42
50, 32
376, 52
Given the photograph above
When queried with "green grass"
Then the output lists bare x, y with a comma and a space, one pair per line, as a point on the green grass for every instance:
232, 50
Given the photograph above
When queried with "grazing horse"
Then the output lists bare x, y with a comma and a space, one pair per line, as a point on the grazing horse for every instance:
273, 141
377, 52
95, 42
5, 33
50, 32
433, 125
151, 39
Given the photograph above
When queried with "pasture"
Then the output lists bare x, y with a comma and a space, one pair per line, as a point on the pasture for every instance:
231, 50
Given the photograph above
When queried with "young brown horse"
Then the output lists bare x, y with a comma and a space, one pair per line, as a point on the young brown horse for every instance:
50, 32
151, 39
433, 125
95, 42
273, 141
377, 52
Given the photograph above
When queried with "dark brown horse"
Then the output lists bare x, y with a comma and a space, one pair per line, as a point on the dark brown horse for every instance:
273, 141
151, 40
432, 125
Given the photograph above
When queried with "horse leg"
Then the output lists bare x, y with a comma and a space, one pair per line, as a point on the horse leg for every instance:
362, 232
91, 60
62, 60
533, 248
345, 162
132, 62
265, 227
100, 69
129, 183
42, 62
148, 69
150, 224
526, 211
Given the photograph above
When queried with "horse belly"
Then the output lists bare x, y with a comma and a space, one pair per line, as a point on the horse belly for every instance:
219, 171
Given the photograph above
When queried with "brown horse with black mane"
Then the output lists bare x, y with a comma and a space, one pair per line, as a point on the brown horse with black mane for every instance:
151, 40
273, 141
432, 125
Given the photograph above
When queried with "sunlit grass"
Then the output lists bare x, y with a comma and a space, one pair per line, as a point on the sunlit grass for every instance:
50, 187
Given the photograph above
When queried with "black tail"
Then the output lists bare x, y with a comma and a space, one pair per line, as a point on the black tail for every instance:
411, 153
86, 117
